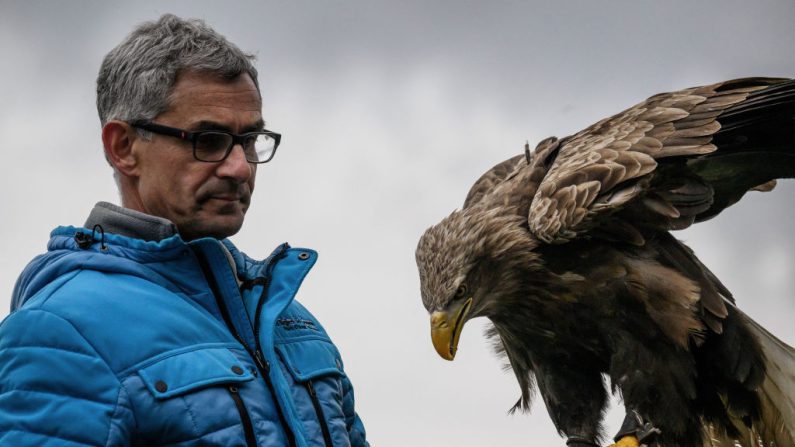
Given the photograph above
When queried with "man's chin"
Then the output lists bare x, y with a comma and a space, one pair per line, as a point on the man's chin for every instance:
221, 206
218, 227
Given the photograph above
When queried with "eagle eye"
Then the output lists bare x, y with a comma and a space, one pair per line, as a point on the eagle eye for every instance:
461, 291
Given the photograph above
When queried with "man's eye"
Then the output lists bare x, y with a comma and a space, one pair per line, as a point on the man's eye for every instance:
213, 141
250, 144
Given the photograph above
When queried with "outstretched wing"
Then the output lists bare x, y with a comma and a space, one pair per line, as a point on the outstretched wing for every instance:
674, 159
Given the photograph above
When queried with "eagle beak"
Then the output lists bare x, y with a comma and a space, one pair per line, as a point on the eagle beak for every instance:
446, 328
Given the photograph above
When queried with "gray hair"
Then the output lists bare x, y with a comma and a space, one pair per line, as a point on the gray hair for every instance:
137, 77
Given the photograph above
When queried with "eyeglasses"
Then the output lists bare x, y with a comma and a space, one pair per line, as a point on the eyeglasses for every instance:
215, 145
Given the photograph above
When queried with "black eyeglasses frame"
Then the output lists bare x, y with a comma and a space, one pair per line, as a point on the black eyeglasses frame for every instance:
193, 136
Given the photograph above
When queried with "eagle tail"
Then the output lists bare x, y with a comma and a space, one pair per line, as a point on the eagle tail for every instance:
777, 394
776, 424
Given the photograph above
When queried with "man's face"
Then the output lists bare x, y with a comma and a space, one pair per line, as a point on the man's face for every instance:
202, 199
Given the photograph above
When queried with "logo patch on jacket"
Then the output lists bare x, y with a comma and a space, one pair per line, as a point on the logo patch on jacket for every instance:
292, 324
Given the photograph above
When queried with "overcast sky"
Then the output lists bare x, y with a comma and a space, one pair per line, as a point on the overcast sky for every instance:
389, 111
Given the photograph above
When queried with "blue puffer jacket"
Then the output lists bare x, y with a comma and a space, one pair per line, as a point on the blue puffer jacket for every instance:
128, 342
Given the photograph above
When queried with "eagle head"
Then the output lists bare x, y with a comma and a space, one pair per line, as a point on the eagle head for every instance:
464, 264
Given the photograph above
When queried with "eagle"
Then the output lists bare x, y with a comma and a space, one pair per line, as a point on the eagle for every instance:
568, 251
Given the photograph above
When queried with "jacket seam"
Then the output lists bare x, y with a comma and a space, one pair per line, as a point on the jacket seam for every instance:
132, 408
191, 415
31, 391
115, 412
202, 435
45, 299
54, 348
50, 436
77, 331
175, 352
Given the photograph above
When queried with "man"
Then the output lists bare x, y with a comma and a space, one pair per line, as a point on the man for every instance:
147, 326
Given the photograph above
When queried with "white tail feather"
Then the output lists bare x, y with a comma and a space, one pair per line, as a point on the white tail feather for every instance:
778, 390
776, 395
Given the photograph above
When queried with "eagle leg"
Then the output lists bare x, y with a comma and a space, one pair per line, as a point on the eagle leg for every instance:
635, 432
649, 373
575, 400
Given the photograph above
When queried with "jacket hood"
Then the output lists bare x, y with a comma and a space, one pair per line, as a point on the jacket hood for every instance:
72, 248
168, 262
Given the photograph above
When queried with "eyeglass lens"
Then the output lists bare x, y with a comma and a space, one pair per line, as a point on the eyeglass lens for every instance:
213, 146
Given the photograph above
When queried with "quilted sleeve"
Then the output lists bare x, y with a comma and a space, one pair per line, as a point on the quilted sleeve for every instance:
352, 420
55, 389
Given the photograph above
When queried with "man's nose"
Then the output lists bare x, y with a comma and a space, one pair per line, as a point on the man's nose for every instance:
235, 165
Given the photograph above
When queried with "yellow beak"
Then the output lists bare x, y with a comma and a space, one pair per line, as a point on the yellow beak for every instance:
446, 328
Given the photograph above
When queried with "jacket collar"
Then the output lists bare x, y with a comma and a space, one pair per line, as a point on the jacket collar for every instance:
126, 222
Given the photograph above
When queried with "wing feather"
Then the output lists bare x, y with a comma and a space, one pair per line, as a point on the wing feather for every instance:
597, 171
529, 169
491, 178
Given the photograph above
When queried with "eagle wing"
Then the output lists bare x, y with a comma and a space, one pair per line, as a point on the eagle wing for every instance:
528, 170
491, 178
671, 160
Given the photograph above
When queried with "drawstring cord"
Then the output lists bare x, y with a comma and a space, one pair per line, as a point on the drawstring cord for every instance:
84, 240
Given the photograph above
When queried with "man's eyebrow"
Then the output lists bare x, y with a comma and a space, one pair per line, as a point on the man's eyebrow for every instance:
256, 127
213, 125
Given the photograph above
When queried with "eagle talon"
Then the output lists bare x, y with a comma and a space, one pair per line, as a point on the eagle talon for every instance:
627, 441
636, 432
647, 433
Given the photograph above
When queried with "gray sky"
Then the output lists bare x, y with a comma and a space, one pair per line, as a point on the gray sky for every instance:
390, 110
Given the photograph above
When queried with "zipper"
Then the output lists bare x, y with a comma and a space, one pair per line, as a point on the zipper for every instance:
262, 365
248, 428
208, 275
264, 368
266, 281
259, 359
321, 418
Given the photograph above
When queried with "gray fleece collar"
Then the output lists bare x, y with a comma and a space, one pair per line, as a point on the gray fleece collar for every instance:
126, 222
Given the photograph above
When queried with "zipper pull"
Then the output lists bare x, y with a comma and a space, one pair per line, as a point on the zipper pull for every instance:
262, 363
250, 283
311, 389
233, 389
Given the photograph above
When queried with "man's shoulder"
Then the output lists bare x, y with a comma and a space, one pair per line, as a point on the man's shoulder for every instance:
124, 318
90, 291
296, 321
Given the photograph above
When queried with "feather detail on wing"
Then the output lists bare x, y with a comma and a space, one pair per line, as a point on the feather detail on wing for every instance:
528, 169
492, 177
667, 162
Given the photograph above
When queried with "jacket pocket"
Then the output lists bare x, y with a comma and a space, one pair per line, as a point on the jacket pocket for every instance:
193, 370
310, 359
315, 366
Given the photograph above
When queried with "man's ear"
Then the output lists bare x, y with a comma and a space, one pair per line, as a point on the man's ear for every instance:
118, 138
